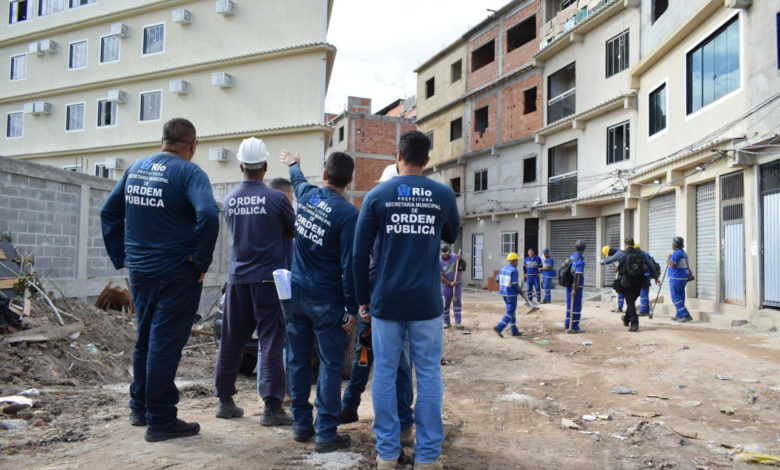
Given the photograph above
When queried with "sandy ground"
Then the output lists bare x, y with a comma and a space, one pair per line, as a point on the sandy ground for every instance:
504, 402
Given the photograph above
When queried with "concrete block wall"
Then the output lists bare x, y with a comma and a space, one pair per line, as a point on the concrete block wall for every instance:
98, 262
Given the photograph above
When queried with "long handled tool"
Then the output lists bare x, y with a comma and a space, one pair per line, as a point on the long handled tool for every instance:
457, 262
659, 292
574, 291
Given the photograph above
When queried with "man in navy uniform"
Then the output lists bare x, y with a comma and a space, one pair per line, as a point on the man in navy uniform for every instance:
161, 222
679, 273
260, 220
531, 266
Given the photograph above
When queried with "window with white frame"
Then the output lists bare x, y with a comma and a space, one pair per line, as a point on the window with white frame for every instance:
19, 10
78, 55
47, 7
106, 113
74, 117
617, 54
151, 104
154, 39
658, 109
480, 180
14, 125
109, 49
102, 170
19, 67
81, 3
713, 67
618, 143
508, 242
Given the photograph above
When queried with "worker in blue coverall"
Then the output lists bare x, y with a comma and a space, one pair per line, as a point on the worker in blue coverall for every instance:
650, 273
548, 274
531, 266
574, 309
509, 288
322, 288
161, 222
260, 221
679, 273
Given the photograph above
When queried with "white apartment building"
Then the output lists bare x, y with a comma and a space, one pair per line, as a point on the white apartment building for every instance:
89, 83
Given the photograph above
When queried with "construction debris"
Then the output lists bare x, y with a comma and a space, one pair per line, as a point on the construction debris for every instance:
115, 298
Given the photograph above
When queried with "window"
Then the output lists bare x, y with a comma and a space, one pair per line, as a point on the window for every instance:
520, 34
480, 181
713, 67
618, 143
456, 129
617, 54
481, 120
78, 55
18, 67
529, 170
561, 93
456, 71
341, 133
151, 104
102, 170
483, 56
508, 242
429, 135
19, 10
109, 49
658, 109
154, 39
455, 185
658, 9
566, 3
106, 113
529, 100
429, 88
80, 3
14, 125
74, 117
47, 7
73, 168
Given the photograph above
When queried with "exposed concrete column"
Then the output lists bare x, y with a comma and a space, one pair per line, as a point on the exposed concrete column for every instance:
686, 226
600, 241
641, 223
752, 214
83, 239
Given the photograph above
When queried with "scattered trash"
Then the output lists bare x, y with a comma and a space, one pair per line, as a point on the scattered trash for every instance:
541, 412
464, 332
750, 396
589, 418
543, 342
685, 346
44, 333
749, 381
737, 339
620, 390
587, 343
660, 397
754, 453
567, 423
728, 409
14, 404
75, 335
91, 349
684, 432
691, 403
618, 437
723, 377
515, 397
645, 414
30, 392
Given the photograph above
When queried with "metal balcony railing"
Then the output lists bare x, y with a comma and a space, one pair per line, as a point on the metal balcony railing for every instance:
562, 187
561, 106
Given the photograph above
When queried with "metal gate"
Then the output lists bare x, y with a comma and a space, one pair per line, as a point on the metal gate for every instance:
733, 238
706, 242
477, 243
612, 238
770, 208
564, 234
661, 230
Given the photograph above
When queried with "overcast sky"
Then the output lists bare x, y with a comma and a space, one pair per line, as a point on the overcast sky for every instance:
380, 43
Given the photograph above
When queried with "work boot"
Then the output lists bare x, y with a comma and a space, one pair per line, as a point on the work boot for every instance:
498, 332
348, 415
517, 333
303, 435
625, 320
686, 318
446, 326
274, 415
178, 428
437, 465
227, 409
458, 325
382, 464
342, 441
574, 332
137, 418
407, 437
618, 310
634, 327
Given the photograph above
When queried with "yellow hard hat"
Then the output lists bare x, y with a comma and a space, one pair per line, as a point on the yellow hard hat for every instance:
512, 257
605, 250
636, 245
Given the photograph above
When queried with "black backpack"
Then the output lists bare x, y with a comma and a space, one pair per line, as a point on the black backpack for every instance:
632, 268
565, 277
655, 268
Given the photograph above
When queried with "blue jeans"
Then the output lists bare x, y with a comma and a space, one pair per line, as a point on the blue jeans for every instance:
359, 379
677, 287
533, 285
547, 286
306, 320
165, 307
260, 367
425, 339
509, 316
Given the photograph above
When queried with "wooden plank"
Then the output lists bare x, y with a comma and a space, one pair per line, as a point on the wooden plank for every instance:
44, 333
8, 282
2, 254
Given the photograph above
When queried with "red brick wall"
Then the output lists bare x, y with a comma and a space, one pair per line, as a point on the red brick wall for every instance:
489, 137
367, 172
515, 124
374, 136
521, 55
488, 72
359, 105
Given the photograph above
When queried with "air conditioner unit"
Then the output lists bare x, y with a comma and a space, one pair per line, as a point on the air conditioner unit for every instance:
34, 48
114, 163
117, 95
180, 87
219, 154
41, 107
28, 108
119, 29
222, 79
48, 45
226, 7
182, 16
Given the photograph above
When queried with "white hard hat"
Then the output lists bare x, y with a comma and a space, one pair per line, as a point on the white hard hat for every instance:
389, 172
252, 152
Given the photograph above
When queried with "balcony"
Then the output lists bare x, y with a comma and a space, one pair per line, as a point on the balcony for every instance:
562, 187
561, 106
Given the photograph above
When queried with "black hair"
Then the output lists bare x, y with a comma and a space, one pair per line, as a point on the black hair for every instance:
256, 172
282, 184
339, 166
629, 241
414, 146
179, 131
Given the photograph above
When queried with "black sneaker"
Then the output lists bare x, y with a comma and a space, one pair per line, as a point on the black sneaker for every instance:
303, 435
348, 415
498, 332
633, 327
686, 318
625, 320
643, 314
178, 429
137, 418
228, 409
274, 415
517, 333
342, 441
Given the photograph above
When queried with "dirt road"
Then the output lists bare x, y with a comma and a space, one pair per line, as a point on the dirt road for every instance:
504, 402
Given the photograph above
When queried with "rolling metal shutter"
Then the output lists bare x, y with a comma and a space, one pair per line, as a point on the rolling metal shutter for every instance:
770, 206
706, 243
612, 237
732, 192
563, 235
661, 227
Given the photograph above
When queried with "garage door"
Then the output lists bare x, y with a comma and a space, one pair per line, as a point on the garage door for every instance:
612, 238
661, 229
706, 248
563, 235
770, 206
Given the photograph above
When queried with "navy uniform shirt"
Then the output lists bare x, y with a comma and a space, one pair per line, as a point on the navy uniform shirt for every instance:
159, 214
259, 219
322, 254
409, 216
